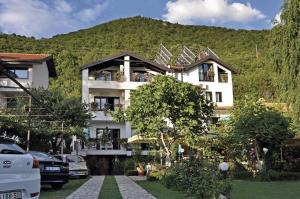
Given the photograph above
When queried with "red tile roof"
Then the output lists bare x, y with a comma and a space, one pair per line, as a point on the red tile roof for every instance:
23, 57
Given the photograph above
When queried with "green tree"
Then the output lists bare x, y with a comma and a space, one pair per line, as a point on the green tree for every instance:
46, 121
286, 54
254, 124
68, 80
169, 110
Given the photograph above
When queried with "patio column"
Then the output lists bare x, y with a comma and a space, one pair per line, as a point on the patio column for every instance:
127, 68
85, 88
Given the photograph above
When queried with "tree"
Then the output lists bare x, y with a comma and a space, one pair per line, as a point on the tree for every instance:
168, 110
46, 125
286, 54
254, 124
68, 79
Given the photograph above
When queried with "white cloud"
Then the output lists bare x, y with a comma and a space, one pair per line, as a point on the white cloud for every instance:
277, 19
213, 11
40, 19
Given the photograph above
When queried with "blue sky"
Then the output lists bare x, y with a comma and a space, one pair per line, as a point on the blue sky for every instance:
45, 18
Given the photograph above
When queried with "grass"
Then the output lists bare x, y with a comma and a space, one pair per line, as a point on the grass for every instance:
160, 191
72, 185
241, 190
266, 190
110, 189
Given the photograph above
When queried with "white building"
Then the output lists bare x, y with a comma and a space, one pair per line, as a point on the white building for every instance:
107, 83
31, 70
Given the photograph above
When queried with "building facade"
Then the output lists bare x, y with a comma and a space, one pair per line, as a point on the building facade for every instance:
106, 84
31, 70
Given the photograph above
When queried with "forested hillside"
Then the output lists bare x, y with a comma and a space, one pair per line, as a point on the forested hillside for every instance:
143, 36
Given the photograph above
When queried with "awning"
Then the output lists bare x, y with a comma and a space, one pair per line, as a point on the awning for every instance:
141, 139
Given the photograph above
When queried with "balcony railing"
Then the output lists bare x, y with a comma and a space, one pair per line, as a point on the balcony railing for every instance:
6, 82
141, 77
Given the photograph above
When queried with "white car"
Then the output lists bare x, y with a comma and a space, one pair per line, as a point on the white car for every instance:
19, 172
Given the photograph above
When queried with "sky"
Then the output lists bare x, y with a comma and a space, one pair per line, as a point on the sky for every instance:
46, 18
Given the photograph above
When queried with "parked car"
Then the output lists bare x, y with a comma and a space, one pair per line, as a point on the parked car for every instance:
54, 172
77, 165
19, 172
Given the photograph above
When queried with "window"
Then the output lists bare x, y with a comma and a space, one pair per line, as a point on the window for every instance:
104, 103
222, 75
107, 75
108, 138
218, 97
208, 96
11, 102
21, 73
206, 72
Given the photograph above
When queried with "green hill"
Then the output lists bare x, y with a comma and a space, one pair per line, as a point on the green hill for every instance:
143, 36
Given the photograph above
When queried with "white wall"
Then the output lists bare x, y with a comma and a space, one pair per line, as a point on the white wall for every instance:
192, 76
40, 75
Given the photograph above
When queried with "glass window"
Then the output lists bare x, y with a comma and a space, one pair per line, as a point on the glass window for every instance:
104, 103
222, 75
11, 149
20, 73
218, 97
206, 72
114, 136
208, 96
11, 103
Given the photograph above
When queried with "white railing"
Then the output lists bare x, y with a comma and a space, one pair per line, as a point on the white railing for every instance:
6, 82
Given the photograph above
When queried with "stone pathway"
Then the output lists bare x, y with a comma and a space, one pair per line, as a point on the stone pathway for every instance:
89, 190
130, 190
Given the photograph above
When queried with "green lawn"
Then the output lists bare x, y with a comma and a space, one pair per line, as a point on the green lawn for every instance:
72, 185
110, 189
266, 190
160, 191
241, 190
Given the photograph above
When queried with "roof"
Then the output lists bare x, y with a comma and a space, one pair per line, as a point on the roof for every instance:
35, 58
158, 66
211, 58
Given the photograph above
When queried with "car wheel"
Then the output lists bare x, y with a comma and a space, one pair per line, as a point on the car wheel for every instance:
57, 186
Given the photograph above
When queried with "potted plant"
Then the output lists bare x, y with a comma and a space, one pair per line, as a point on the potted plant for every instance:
148, 77
94, 106
120, 76
135, 77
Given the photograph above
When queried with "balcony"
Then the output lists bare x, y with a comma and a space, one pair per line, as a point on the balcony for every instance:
6, 82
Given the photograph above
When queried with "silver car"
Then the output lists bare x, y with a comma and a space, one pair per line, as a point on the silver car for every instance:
77, 165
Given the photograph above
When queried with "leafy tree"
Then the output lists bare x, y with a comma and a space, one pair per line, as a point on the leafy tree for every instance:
286, 54
68, 80
168, 110
254, 124
45, 121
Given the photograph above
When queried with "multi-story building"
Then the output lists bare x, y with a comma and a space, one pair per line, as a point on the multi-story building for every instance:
106, 84
31, 70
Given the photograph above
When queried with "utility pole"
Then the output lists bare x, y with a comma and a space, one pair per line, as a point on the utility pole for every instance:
29, 121
62, 138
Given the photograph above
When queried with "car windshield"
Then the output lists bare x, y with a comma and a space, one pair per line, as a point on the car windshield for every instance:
43, 156
75, 158
11, 149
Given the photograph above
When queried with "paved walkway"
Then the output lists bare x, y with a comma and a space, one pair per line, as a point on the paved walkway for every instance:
89, 190
130, 190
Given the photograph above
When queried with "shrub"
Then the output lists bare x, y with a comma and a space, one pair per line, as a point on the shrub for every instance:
278, 175
131, 173
129, 164
242, 174
198, 178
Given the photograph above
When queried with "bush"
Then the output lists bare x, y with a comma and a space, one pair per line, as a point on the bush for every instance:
242, 175
197, 178
278, 175
131, 173
129, 164
156, 175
